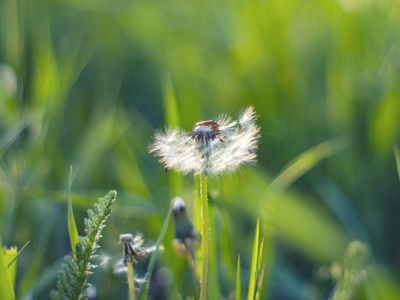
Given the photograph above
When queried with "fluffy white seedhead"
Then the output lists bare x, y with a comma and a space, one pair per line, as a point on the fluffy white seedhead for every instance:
213, 147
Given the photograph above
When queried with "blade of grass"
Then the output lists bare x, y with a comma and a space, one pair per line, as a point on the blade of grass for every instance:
252, 283
260, 282
307, 160
143, 291
172, 118
16, 255
397, 157
6, 288
238, 282
260, 266
73, 231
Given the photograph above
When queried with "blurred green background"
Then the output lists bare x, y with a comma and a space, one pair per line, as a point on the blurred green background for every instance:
86, 83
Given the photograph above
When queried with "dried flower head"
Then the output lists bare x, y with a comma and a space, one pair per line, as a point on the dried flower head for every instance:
213, 147
133, 249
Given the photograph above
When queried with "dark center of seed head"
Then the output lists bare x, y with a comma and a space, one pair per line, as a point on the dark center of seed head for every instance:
200, 134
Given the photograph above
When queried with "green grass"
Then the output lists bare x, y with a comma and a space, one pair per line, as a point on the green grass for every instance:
86, 84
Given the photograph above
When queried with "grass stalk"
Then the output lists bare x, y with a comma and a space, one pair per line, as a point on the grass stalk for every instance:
206, 238
131, 281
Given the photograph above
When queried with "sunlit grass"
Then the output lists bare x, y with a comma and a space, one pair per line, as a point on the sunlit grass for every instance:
86, 84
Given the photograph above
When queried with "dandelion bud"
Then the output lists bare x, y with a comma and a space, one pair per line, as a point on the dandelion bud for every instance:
186, 236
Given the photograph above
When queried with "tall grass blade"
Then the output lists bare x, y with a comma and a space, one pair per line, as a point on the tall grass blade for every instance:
307, 160
260, 267
238, 282
254, 260
173, 120
6, 287
72, 229
144, 290
16, 255
397, 157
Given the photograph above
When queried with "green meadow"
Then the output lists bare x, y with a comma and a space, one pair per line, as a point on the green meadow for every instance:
84, 87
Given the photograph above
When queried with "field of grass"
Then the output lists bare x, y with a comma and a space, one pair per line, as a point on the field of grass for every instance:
84, 85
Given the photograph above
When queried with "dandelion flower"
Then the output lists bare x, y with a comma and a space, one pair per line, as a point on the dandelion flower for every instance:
213, 147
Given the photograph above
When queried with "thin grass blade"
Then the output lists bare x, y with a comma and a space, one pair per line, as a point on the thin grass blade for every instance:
253, 272
173, 120
72, 229
260, 266
16, 255
238, 282
307, 160
144, 290
397, 157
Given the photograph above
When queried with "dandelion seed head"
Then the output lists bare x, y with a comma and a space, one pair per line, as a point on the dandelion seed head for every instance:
213, 147
120, 268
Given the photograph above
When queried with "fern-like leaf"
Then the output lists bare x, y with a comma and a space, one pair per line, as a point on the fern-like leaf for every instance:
74, 273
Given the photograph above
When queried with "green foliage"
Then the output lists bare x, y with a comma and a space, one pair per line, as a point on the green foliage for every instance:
6, 286
74, 273
87, 83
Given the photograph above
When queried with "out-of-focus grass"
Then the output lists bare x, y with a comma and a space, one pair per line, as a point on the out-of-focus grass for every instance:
87, 83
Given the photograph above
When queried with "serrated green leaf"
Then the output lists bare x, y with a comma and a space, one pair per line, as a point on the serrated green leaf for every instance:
254, 260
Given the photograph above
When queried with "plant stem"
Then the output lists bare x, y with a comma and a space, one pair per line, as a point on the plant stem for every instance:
131, 281
206, 238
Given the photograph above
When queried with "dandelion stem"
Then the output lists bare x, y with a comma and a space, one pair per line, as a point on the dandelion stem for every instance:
206, 238
131, 281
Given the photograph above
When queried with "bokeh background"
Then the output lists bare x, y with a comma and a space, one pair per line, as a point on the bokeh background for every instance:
86, 83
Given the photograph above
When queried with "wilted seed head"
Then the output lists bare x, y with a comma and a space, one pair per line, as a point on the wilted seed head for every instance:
213, 147
133, 250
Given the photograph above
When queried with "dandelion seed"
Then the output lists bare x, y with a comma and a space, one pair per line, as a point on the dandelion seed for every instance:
104, 259
120, 268
213, 147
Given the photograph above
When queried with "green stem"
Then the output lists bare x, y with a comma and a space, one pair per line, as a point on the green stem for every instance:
131, 281
206, 238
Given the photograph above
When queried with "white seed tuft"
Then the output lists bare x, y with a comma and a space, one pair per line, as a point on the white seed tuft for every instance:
213, 147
